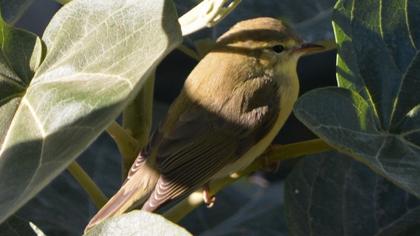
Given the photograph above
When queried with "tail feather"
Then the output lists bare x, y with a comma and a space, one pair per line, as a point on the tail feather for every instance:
133, 193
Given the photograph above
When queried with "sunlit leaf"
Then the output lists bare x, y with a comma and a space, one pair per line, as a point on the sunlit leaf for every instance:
137, 223
98, 54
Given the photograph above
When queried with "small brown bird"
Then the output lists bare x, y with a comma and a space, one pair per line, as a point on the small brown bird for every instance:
232, 106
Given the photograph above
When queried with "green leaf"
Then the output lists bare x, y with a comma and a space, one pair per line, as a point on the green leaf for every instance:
244, 209
330, 194
12, 10
380, 58
98, 54
375, 115
137, 223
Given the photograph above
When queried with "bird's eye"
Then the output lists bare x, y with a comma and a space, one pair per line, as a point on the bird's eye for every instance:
278, 48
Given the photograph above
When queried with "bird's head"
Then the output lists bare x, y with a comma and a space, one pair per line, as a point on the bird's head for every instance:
273, 41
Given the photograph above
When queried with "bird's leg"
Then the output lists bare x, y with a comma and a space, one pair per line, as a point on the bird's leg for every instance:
209, 199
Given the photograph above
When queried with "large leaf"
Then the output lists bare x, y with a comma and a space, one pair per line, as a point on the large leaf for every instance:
330, 194
63, 207
98, 54
137, 223
12, 10
375, 116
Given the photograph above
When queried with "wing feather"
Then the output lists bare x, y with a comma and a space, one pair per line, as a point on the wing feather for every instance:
205, 139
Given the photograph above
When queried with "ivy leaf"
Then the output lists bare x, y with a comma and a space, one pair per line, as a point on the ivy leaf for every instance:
330, 194
99, 53
137, 223
12, 10
375, 114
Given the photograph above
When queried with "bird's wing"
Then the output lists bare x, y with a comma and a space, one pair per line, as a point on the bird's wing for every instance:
202, 141
135, 191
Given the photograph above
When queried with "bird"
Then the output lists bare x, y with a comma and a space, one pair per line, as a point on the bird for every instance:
231, 107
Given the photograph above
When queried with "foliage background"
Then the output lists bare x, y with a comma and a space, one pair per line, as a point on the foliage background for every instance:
63, 208
328, 194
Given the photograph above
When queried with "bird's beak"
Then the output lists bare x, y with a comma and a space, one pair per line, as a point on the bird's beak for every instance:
307, 48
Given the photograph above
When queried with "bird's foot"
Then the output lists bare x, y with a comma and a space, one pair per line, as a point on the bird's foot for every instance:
208, 198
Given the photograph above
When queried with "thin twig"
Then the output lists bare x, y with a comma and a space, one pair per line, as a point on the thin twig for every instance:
189, 52
127, 145
274, 153
137, 121
94, 192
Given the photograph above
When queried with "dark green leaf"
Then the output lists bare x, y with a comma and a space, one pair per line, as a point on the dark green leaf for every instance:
330, 194
249, 210
137, 223
12, 10
380, 58
375, 115
99, 53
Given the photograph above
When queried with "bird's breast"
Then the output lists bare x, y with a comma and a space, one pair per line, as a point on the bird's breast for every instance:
288, 93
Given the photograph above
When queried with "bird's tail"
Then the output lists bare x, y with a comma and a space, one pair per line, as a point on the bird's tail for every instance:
133, 193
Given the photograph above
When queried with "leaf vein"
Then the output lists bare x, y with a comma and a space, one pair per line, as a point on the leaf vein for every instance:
36, 118
81, 40
403, 78
410, 34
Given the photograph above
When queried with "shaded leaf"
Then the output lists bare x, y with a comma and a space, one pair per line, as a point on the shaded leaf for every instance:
12, 10
99, 53
261, 214
375, 115
331, 194
380, 59
137, 223
63, 207
228, 201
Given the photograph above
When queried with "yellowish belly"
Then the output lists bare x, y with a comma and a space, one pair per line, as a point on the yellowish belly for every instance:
287, 100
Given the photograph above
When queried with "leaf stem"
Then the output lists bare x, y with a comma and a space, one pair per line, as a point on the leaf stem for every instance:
94, 192
189, 52
137, 121
289, 151
273, 153
127, 145
62, 2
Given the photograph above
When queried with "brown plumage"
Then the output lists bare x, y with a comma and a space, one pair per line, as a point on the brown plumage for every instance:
232, 105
